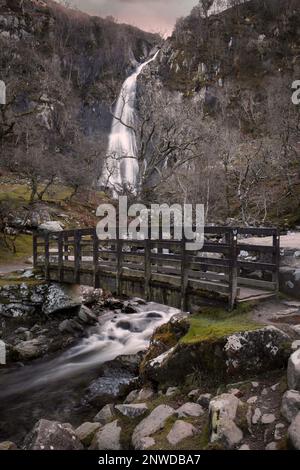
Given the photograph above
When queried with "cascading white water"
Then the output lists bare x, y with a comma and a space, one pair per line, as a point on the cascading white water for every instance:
121, 168
116, 335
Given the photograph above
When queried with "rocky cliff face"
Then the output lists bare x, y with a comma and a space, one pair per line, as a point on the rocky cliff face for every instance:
235, 70
63, 70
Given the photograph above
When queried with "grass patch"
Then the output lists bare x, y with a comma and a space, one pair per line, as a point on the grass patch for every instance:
23, 245
214, 323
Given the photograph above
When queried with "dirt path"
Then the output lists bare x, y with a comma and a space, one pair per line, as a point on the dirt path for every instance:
291, 240
13, 267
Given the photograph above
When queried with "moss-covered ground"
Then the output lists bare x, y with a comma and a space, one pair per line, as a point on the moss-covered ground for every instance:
214, 323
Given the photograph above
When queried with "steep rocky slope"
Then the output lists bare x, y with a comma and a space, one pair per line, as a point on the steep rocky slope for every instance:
234, 71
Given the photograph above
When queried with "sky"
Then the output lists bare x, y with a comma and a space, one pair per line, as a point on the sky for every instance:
150, 15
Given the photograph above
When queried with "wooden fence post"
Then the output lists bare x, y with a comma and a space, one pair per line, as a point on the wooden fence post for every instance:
77, 256
60, 243
148, 261
276, 259
96, 260
66, 247
233, 270
184, 275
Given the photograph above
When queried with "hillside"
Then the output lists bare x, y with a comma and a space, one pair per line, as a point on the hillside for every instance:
231, 76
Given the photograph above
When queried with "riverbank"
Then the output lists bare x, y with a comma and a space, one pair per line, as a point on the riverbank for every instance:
125, 374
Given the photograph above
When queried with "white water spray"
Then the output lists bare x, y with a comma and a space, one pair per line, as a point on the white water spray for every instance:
122, 168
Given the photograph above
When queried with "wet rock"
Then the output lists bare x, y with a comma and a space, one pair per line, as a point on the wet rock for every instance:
181, 430
132, 411
293, 372
90, 295
86, 316
190, 409
268, 418
129, 308
7, 445
86, 432
290, 406
113, 304
70, 327
61, 297
32, 349
52, 435
151, 424
105, 415
294, 433
108, 438
204, 400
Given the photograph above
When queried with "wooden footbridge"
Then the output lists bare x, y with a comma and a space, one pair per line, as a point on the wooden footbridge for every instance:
228, 268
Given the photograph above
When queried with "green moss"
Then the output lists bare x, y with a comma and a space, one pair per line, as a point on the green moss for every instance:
23, 244
215, 323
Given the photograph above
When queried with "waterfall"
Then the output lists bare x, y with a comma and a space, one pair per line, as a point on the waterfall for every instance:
121, 167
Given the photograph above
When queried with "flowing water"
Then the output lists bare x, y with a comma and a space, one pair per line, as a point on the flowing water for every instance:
122, 168
54, 388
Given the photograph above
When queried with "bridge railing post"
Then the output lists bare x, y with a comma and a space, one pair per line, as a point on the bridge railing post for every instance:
119, 254
77, 256
60, 243
47, 257
147, 247
276, 259
184, 275
96, 260
233, 270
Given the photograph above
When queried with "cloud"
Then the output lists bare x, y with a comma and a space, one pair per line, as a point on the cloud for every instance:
151, 15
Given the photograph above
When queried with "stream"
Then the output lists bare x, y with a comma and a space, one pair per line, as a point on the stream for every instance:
55, 388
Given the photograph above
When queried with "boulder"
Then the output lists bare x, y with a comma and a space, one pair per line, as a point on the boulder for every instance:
132, 396
132, 411
268, 418
194, 394
224, 405
222, 412
61, 297
151, 424
86, 316
108, 438
256, 417
227, 433
190, 409
7, 445
171, 391
145, 394
271, 446
105, 415
290, 405
146, 443
204, 400
293, 371
180, 430
51, 226
52, 435
113, 385
86, 432
70, 326
239, 355
32, 349
294, 433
